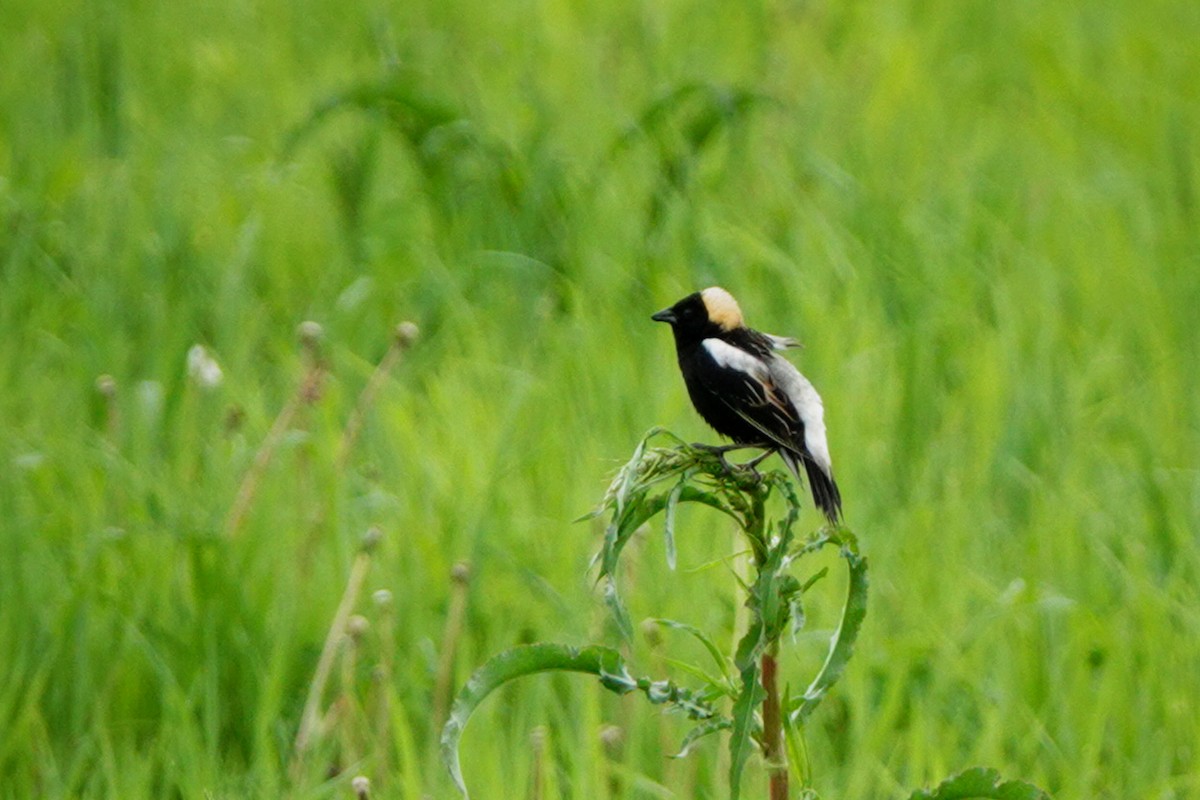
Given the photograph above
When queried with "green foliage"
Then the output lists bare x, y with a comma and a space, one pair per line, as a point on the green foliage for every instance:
603, 662
703, 475
655, 480
847, 632
981, 219
980, 783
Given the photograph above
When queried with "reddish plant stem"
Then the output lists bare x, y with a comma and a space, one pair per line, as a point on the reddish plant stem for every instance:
773, 750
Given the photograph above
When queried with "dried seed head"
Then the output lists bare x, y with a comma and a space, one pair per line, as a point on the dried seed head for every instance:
235, 415
407, 333
362, 787
309, 333
202, 368
370, 539
461, 573
652, 633
383, 599
106, 385
357, 626
611, 739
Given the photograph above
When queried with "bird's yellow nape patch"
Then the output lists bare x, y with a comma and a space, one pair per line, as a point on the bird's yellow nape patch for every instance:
722, 308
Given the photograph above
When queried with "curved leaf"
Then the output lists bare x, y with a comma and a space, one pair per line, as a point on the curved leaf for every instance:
706, 728
841, 646
979, 783
669, 520
603, 662
518, 662
699, 636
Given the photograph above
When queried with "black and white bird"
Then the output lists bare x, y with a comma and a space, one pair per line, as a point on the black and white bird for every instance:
748, 393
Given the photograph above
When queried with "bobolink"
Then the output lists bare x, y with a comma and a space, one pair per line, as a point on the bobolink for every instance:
748, 393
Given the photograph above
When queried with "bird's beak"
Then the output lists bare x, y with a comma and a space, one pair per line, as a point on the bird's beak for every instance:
666, 315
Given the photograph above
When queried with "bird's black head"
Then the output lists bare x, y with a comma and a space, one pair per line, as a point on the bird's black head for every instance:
701, 315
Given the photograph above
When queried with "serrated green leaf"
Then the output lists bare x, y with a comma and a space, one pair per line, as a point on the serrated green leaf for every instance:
697, 733
750, 646
512, 664
841, 646
793, 737
797, 615
740, 740
603, 662
716, 686
669, 520
616, 606
980, 783
808, 584
629, 473
717, 656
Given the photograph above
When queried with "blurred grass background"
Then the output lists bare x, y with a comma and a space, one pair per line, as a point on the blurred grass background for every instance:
981, 218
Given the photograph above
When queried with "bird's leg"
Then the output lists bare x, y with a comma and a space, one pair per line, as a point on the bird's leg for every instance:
720, 450
754, 462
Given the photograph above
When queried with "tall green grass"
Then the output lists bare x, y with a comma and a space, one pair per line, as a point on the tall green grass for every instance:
982, 220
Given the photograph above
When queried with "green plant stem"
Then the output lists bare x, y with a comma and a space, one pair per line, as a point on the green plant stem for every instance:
773, 749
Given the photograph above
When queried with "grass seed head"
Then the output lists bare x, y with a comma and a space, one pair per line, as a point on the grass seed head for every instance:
357, 627
407, 333
370, 539
309, 333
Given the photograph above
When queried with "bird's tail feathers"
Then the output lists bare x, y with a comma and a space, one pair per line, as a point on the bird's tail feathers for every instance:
824, 489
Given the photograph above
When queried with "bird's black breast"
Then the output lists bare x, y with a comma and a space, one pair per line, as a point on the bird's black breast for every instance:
723, 396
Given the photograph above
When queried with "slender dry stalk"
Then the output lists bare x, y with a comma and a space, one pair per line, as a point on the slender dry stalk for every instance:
612, 742
352, 731
310, 718
106, 385
537, 743
460, 577
406, 333
383, 680
306, 393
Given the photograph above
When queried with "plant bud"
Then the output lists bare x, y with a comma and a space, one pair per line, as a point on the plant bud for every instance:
309, 333
357, 626
407, 333
370, 539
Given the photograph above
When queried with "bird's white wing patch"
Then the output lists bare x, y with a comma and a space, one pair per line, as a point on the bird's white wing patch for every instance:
726, 355
808, 406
